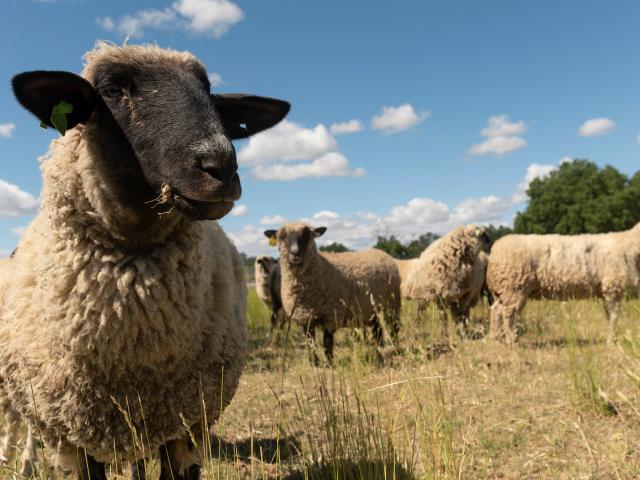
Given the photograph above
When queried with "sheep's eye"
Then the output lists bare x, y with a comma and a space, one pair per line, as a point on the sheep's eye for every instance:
112, 91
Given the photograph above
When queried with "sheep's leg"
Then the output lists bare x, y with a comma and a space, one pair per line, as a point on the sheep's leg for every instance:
444, 321
11, 428
392, 317
376, 328
496, 322
29, 455
460, 315
89, 468
310, 333
508, 321
612, 306
172, 463
327, 341
139, 470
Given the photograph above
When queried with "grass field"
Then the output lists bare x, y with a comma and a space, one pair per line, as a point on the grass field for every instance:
561, 405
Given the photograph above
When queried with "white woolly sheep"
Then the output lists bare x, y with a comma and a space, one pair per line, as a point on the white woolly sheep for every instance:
334, 290
451, 272
562, 267
263, 267
124, 313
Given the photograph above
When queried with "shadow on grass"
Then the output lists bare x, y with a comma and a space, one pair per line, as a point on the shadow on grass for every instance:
269, 450
561, 342
347, 470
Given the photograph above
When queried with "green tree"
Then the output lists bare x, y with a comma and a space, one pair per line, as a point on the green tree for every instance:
495, 232
579, 197
334, 247
394, 247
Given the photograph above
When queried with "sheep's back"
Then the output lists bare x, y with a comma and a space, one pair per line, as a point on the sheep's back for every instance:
562, 266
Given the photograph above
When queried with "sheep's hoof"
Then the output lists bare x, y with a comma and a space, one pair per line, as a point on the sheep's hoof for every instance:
28, 469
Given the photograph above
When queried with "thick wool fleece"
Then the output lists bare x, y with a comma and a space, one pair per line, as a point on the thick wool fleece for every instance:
563, 267
335, 290
91, 329
449, 270
405, 267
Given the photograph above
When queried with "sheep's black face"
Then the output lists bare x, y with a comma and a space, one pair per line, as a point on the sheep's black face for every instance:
178, 134
296, 242
266, 264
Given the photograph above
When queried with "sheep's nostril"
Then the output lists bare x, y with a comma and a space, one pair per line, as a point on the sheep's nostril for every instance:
222, 173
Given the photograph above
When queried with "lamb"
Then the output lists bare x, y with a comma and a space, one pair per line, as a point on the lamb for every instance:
125, 320
335, 290
562, 267
451, 273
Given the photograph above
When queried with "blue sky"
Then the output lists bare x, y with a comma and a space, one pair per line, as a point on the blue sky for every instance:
453, 106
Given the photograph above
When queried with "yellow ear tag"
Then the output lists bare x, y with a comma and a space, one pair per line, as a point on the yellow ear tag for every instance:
272, 241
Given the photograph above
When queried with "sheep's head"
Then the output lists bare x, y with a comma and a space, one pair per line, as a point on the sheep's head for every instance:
155, 107
296, 242
481, 239
264, 264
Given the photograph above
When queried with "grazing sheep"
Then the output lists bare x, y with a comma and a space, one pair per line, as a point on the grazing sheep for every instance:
451, 273
562, 267
334, 290
125, 319
405, 268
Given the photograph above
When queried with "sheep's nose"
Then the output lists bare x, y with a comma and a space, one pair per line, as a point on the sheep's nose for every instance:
221, 166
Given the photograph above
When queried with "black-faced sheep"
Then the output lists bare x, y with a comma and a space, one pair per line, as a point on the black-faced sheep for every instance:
562, 267
124, 313
334, 290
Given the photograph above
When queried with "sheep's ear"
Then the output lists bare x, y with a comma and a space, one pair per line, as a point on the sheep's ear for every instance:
40, 91
270, 233
244, 115
319, 231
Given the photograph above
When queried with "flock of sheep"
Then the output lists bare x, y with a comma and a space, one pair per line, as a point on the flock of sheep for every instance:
123, 310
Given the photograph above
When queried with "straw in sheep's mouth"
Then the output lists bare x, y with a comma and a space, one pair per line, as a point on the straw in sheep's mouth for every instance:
196, 209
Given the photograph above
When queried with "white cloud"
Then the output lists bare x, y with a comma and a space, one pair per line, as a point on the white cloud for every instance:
4, 253
596, 127
107, 23
638, 138
502, 137
209, 17
215, 79
535, 170
18, 231
332, 164
500, 126
290, 151
239, 211
398, 119
15, 202
273, 220
6, 129
499, 146
566, 160
351, 126
288, 141
201, 17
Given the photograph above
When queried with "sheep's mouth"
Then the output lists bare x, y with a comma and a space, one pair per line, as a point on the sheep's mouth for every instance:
199, 210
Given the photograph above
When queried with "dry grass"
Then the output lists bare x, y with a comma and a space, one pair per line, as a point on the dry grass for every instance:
562, 404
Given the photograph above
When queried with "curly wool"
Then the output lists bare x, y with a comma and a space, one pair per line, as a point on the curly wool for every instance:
449, 270
339, 289
90, 329
563, 267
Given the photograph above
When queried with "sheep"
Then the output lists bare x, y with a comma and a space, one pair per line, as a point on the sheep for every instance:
335, 290
263, 266
451, 273
267, 274
562, 267
125, 320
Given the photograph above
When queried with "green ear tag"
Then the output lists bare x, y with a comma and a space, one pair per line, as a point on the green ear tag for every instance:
272, 241
59, 116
